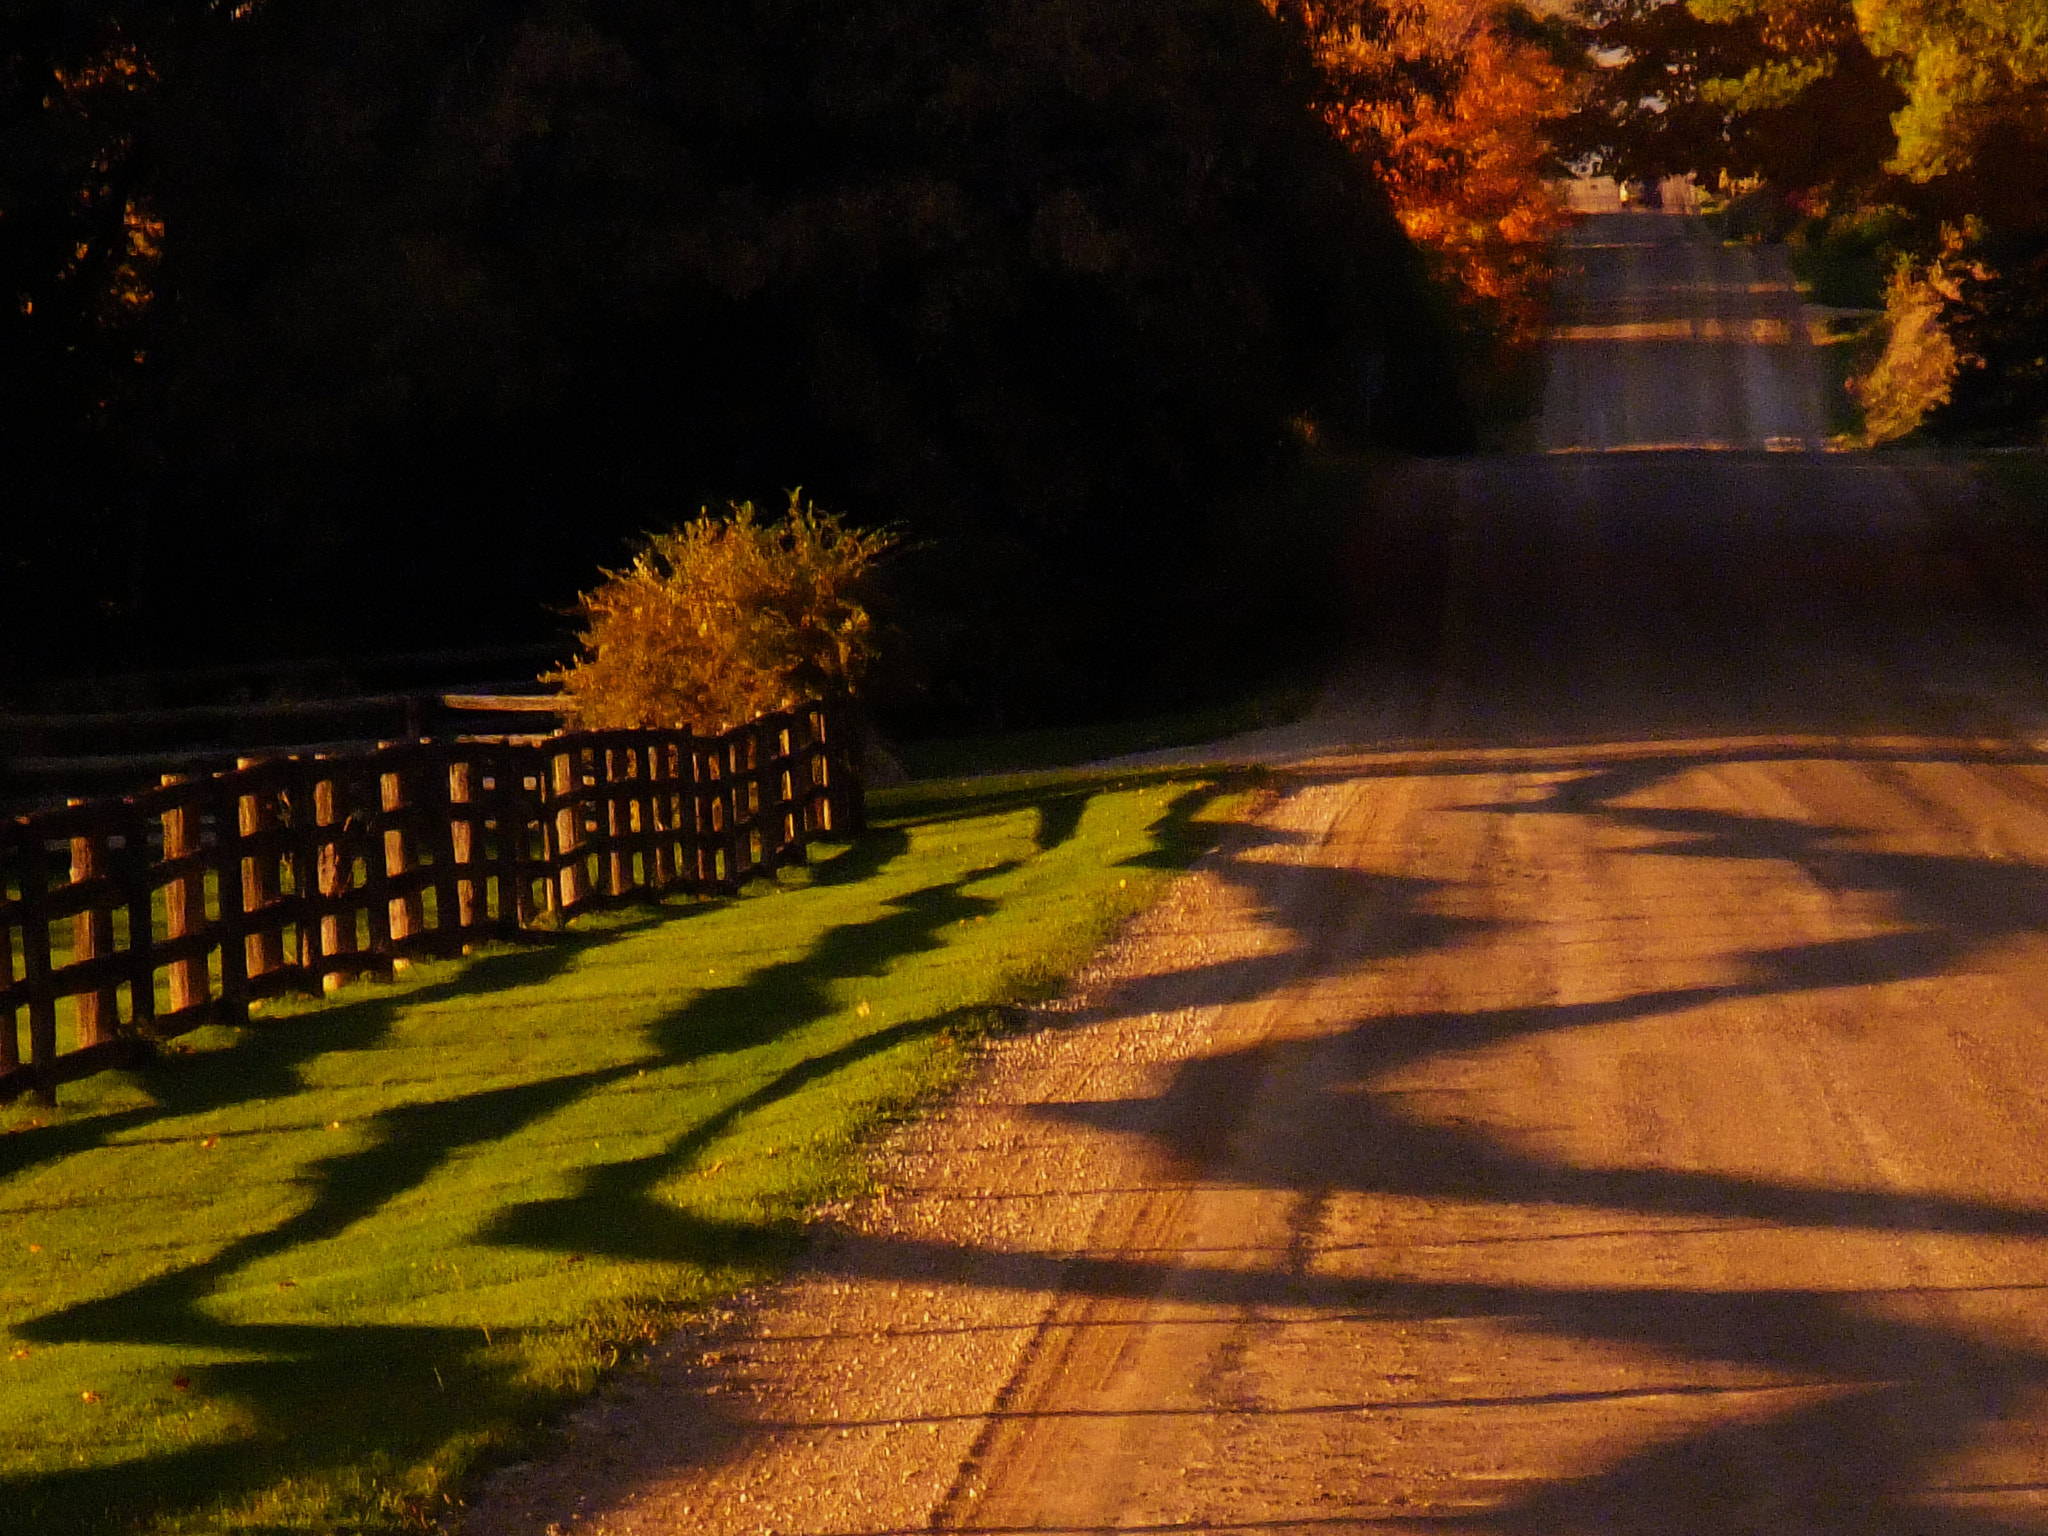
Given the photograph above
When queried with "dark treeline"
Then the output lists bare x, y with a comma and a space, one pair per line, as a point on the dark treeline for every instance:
353, 325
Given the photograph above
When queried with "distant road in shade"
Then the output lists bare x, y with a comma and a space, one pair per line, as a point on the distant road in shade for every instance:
1664, 337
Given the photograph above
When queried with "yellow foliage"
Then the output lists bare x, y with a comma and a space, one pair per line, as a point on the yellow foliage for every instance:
1917, 371
722, 619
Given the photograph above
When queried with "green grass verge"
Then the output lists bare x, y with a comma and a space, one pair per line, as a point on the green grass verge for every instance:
1063, 746
308, 1275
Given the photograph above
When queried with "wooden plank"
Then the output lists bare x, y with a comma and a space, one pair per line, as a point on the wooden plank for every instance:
131, 873
184, 898
70, 1067
94, 892
12, 993
88, 977
260, 856
35, 954
231, 927
568, 823
403, 904
333, 871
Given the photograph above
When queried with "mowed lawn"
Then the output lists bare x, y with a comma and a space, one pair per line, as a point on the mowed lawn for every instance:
307, 1275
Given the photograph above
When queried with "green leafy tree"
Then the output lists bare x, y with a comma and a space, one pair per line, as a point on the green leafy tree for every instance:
1785, 90
1926, 118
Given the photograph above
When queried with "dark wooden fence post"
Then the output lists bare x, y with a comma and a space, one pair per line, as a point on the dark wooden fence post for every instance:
35, 965
516, 816
256, 816
732, 761
407, 913
618, 860
661, 783
463, 842
334, 866
184, 901
568, 820
234, 926
132, 870
92, 938
431, 811
10, 1039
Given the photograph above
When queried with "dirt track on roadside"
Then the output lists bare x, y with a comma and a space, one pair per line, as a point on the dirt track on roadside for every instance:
1601, 1091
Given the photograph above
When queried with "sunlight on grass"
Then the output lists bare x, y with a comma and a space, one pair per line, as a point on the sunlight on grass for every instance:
305, 1275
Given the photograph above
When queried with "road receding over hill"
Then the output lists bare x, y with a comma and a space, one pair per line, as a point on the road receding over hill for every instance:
1666, 338
1600, 1091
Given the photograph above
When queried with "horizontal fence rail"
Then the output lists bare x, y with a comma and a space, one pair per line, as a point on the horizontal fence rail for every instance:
151, 914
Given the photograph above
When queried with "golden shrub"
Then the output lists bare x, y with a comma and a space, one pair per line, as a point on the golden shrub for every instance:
1917, 371
724, 618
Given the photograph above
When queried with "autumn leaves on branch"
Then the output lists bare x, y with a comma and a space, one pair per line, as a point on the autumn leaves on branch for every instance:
1450, 102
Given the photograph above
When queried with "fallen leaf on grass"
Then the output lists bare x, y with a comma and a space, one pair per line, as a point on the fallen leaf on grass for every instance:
89, 1396
287, 1285
210, 1142
181, 1382
35, 1247
20, 1354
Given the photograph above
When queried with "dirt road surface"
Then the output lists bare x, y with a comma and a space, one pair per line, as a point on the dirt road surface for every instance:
1600, 1091
1666, 338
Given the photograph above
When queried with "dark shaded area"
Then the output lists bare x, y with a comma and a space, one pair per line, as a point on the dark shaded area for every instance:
334, 328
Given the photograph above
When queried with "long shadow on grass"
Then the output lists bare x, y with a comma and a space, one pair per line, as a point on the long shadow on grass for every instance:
318, 1400
309, 1397
618, 1211
266, 1063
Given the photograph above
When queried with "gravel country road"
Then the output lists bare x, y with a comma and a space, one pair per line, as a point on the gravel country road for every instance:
1665, 338
1599, 1090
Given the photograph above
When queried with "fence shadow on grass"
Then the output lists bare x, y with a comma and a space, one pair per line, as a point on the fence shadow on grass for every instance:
266, 1061
323, 1401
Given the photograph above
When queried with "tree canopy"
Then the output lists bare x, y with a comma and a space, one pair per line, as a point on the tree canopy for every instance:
1924, 121
360, 323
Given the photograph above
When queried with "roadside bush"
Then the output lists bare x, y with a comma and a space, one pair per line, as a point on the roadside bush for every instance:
1844, 257
722, 619
1759, 214
1917, 371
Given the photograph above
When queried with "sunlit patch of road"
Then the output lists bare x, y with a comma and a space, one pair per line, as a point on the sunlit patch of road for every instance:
1665, 338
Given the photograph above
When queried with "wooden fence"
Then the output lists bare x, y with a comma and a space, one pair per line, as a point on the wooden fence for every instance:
160, 911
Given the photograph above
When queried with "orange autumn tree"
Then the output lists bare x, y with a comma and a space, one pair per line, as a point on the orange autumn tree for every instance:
1449, 100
